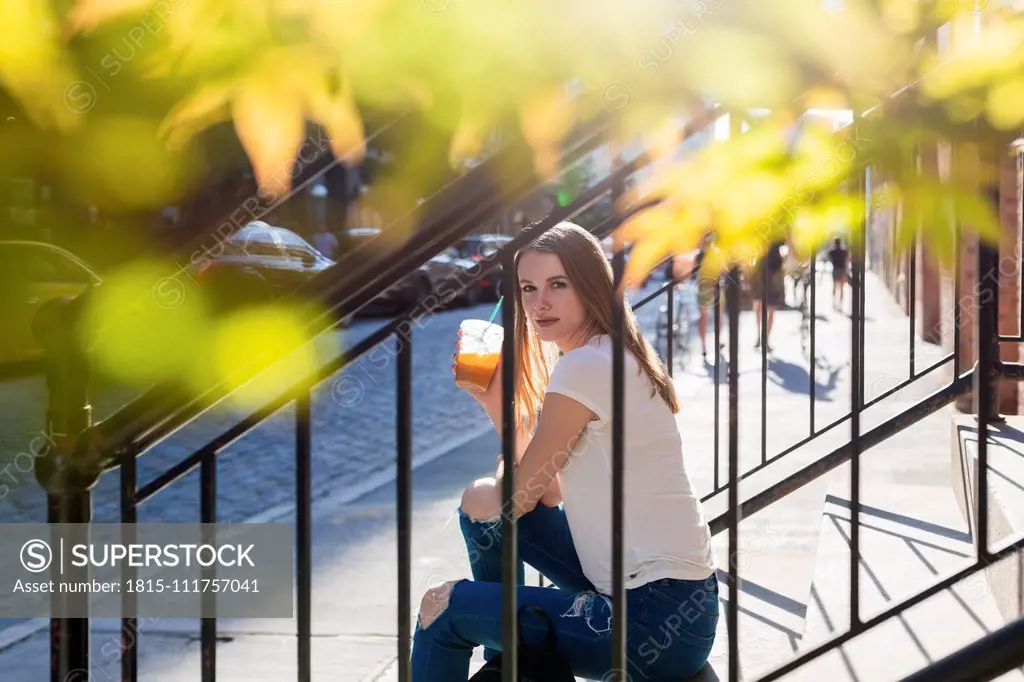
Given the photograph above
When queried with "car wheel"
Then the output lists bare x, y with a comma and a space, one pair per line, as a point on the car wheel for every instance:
425, 288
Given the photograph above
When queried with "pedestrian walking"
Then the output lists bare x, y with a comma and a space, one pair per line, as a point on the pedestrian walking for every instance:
839, 257
768, 288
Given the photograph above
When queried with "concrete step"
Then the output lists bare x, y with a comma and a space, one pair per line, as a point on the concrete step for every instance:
912, 536
1005, 499
776, 555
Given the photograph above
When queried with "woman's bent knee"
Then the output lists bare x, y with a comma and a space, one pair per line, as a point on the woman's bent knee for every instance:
434, 603
481, 500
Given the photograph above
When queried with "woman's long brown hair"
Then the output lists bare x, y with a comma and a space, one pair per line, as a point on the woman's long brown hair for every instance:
591, 276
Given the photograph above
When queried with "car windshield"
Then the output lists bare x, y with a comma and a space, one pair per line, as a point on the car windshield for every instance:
268, 241
293, 240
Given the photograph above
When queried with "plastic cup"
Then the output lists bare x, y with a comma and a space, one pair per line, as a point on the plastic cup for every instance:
478, 355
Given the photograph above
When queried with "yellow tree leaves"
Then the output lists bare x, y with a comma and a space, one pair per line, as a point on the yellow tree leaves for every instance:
120, 163
35, 67
86, 15
270, 125
468, 140
273, 66
207, 105
778, 180
269, 106
545, 119
336, 112
1005, 105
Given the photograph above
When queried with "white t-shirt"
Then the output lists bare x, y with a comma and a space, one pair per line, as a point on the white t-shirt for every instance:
666, 533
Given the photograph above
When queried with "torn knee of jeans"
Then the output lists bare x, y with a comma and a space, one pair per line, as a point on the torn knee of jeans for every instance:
435, 602
595, 609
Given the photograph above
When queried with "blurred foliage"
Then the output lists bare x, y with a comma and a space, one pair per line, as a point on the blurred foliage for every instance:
112, 101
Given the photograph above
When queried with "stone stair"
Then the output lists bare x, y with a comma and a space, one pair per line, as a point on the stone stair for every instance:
1005, 499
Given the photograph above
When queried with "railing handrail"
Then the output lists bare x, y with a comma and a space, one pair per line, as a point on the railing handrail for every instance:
985, 659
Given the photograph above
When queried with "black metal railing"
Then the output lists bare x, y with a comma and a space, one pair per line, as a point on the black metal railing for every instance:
136, 429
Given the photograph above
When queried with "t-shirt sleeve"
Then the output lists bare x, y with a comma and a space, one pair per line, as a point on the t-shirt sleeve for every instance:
585, 376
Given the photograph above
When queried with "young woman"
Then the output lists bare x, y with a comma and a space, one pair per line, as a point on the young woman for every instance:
563, 304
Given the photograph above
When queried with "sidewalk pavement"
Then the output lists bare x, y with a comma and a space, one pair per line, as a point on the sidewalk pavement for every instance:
355, 577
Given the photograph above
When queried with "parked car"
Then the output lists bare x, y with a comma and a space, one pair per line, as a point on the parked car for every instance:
258, 263
31, 274
476, 247
396, 298
448, 271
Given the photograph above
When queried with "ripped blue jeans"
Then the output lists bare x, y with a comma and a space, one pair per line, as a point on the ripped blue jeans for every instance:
671, 623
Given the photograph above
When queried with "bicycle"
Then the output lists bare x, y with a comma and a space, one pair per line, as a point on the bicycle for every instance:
683, 323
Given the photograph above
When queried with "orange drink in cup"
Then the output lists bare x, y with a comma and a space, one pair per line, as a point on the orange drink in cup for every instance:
478, 354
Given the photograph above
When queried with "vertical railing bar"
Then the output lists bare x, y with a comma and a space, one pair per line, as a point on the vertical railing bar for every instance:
984, 389
814, 353
764, 358
403, 492
509, 528
981, 393
860, 324
718, 363
856, 361
733, 302
912, 267
861, 238
129, 624
59, 631
304, 533
958, 239
68, 416
894, 249
670, 321
732, 614
619, 615
208, 515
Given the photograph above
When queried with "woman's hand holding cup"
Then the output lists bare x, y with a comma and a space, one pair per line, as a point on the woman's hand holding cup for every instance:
489, 398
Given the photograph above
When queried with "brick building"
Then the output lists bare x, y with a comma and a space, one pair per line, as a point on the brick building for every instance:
918, 271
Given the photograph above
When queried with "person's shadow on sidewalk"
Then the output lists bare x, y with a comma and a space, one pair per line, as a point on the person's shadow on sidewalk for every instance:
796, 378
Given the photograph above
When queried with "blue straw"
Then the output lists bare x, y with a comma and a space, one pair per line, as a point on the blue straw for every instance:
494, 312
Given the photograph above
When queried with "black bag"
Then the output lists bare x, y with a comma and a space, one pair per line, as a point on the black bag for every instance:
536, 663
